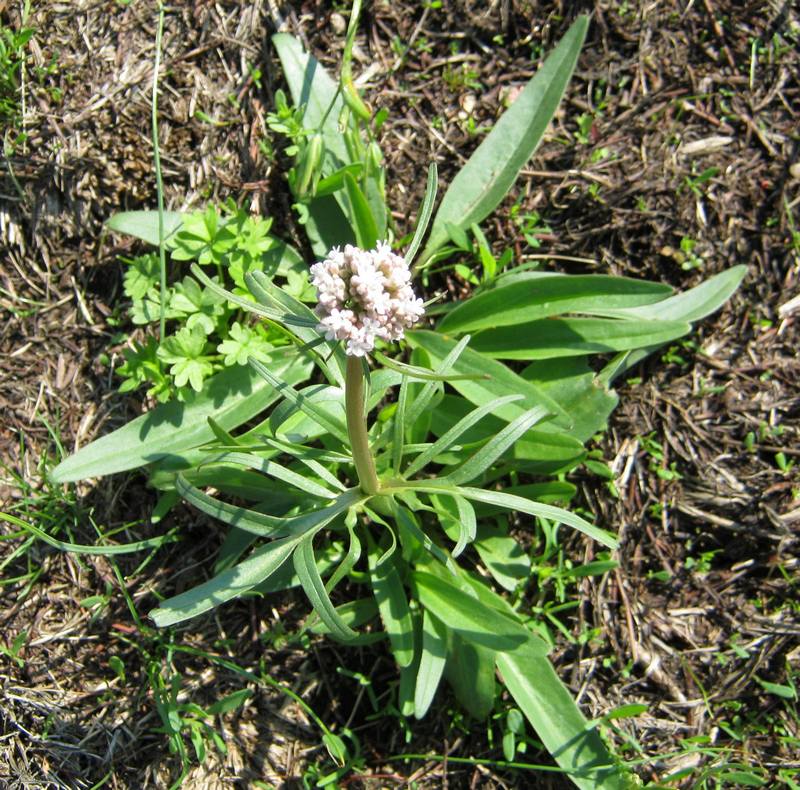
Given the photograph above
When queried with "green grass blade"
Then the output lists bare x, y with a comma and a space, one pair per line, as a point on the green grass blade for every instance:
364, 223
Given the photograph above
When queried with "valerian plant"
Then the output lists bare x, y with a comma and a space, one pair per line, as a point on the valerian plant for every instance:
378, 481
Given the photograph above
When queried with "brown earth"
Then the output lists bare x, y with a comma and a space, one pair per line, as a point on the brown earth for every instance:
679, 126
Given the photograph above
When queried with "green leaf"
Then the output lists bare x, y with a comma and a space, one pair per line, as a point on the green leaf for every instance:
431, 664
578, 389
273, 469
144, 224
141, 274
261, 564
226, 585
306, 567
495, 447
362, 219
489, 173
390, 596
424, 215
452, 435
548, 705
303, 403
502, 556
468, 616
311, 87
470, 672
493, 379
559, 337
244, 342
232, 398
520, 504
543, 296
78, 548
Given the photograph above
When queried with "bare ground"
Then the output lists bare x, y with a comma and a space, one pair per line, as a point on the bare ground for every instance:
677, 126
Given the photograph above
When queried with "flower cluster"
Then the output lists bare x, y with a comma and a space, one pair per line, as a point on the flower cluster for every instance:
363, 295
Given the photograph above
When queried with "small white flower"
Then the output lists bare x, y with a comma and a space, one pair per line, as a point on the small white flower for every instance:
363, 295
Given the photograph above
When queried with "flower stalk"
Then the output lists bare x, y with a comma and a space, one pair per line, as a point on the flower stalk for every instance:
357, 426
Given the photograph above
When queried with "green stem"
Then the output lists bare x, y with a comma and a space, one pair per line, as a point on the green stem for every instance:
162, 255
357, 426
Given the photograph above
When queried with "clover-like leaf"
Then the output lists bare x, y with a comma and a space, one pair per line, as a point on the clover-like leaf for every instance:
244, 342
203, 237
202, 306
184, 352
141, 275
141, 366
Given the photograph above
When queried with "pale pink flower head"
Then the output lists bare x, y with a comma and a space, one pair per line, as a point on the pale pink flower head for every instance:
363, 295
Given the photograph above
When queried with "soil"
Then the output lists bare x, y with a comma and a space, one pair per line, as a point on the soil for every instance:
674, 156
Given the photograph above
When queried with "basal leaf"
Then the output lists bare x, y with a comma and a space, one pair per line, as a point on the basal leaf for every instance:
144, 224
534, 298
232, 397
431, 664
559, 337
484, 181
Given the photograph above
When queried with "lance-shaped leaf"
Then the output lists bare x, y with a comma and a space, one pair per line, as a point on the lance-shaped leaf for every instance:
232, 397
468, 616
387, 587
489, 173
576, 746
543, 296
226, 585
431, 663
552, 338
144, 224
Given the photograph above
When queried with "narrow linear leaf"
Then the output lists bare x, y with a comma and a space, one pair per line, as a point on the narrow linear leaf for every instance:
365, 226
405, 519
421, 374
390, 596
495, 447
451, 436
79, 548
431, 663
307, 406
425, 213
276, 470
467, 524
306, 567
